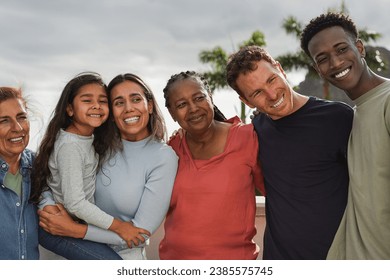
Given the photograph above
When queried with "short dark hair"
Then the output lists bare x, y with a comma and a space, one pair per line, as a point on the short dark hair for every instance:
324, 21
244, 61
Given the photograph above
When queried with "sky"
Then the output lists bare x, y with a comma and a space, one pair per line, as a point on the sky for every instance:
44, 44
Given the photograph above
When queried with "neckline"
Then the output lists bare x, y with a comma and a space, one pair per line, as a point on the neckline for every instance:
234, 121
75, 135
372, 92
299, 111
139, 143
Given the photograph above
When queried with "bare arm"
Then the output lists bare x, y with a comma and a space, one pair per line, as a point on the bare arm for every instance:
130, 233
55, 220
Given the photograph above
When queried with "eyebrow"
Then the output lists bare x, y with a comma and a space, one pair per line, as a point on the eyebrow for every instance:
118, 97
192, 96
17, 115
254, 92
334, 46
135, 93
87, 94
196, 93
131, 95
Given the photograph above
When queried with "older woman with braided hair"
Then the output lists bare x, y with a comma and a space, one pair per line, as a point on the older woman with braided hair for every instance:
212, 209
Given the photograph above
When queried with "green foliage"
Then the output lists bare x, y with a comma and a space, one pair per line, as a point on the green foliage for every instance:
217, 58
216, 80
296, 61
367, 36
300, 61
292, 26
374, 60
257, 39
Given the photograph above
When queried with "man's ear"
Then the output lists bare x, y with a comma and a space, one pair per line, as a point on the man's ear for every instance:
360, 46
246, 102
279, 66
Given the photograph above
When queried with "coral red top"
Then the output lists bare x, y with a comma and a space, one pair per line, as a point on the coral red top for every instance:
212, 209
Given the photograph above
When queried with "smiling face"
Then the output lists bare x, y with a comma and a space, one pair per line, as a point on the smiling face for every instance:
88, 110
267, 89
190, 105
131, 110
14, 129
338, 59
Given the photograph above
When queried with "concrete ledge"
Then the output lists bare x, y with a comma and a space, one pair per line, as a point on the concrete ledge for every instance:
45, 254
260, 206
152, 249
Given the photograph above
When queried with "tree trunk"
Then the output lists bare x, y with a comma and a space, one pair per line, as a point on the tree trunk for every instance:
243, 114
325, 87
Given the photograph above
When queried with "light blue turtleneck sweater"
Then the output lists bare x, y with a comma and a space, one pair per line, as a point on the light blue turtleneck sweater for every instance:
135, 185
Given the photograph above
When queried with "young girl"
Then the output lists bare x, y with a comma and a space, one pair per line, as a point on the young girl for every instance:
136, 182
77, 139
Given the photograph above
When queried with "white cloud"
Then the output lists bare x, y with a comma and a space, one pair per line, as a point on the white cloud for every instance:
45, 43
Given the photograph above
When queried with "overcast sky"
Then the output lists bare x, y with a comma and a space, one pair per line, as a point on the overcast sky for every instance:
45, 43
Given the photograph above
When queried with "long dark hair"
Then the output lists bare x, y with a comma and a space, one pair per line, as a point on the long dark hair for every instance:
60, 120
156, 124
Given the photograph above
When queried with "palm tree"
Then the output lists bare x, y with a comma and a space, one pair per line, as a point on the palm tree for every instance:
218, 57
300, 61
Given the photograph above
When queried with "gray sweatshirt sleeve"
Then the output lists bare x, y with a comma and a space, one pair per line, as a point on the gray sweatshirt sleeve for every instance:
46, 199
70, 166
98, 234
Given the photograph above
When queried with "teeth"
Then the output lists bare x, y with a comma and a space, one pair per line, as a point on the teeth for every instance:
278, 103
342, 74
132, 119
196, 118
18, 139
95, 116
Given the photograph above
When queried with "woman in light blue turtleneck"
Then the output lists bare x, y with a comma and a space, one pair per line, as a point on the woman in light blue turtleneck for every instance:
135, 184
